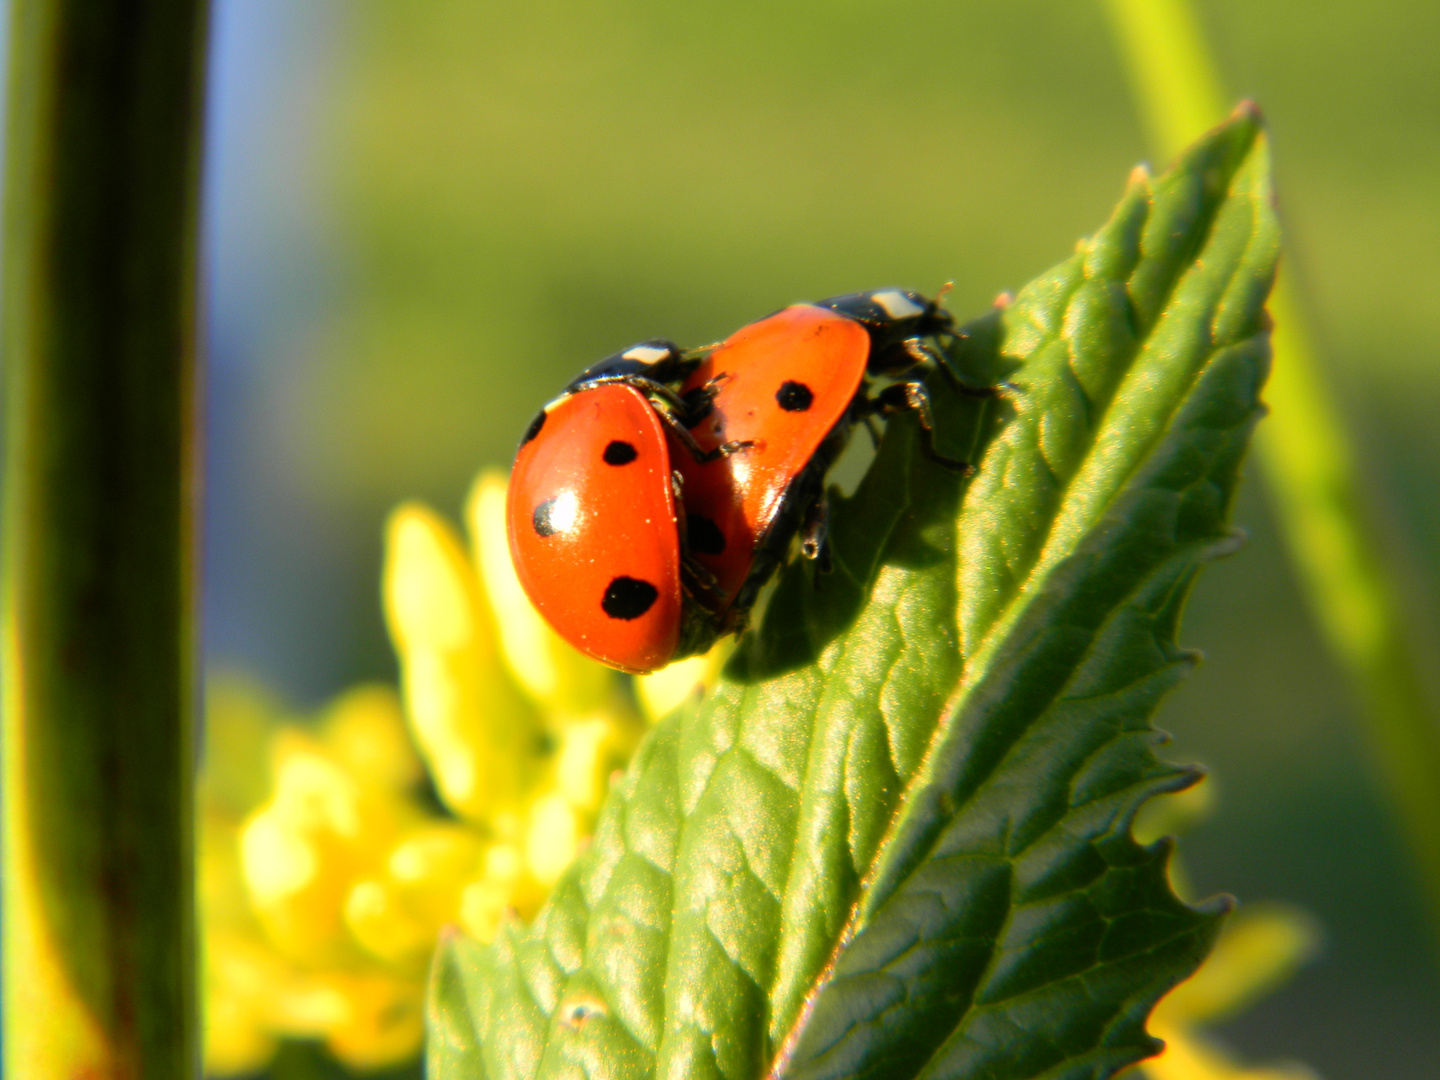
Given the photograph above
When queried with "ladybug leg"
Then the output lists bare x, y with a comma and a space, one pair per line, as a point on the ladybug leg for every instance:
923, 353
696, 403
683, 412
681, 432
920, 352
700, 581
726, 449
913, 397
815, 533
674, 405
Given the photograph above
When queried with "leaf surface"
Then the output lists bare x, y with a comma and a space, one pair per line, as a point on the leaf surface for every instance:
895, 840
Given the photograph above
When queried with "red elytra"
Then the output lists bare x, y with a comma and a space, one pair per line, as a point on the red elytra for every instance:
784, 385
750, 430
593, 529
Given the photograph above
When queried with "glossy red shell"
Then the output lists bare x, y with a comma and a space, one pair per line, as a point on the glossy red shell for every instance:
592, 523
804, 354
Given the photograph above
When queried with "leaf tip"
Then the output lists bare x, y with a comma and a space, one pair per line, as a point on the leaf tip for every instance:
1217, 907
1228, 543
1249, 111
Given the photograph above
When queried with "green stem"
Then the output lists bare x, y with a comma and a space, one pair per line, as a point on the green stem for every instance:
98, 545
1305, 450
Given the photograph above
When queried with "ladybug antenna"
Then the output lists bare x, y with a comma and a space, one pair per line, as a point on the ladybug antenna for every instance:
947, 321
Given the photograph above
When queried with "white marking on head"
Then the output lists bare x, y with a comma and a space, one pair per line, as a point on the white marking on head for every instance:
563, 512
645, 354
897, 305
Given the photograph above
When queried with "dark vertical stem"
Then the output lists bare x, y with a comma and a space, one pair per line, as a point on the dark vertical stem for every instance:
99, 537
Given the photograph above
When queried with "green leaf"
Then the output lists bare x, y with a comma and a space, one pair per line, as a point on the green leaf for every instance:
895, 841
452, 1048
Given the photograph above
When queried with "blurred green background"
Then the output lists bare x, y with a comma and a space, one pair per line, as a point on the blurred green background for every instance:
422, 218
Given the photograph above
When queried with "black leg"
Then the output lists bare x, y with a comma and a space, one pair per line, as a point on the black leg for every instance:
913, 397
699, 580
815, 532
923, 352
681, 432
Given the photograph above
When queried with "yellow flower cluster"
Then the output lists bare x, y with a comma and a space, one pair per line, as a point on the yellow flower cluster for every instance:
326, 869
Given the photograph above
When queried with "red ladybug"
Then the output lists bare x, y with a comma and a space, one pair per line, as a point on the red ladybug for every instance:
593, 515
592, 524
641, 542
790, 388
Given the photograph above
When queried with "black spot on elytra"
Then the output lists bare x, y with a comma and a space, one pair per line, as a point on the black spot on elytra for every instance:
619, 452
544, 526
794, 396
534, 428
704, 535
628, 598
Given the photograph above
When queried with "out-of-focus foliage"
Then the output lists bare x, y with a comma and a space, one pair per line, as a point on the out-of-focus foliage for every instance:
1307, 455
505, 192
1259, 948
527, 186
328, 869
519, 188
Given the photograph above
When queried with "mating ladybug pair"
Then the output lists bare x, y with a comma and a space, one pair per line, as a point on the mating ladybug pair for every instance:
652, 500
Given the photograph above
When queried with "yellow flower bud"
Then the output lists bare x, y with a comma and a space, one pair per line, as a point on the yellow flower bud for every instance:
380, 1020
377, 917
1187, 1057
552, 838
238, 976
551, 670
505, 887
483, 904
325, 892
662, 691
589, 752
364, 732
301, 849
397, 916
477, 733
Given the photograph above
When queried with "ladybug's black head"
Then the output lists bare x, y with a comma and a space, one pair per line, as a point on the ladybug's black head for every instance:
891, 313
656, 361
898, 320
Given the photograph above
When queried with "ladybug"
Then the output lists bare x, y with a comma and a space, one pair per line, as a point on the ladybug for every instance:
592, 514
791, 388
652, 500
